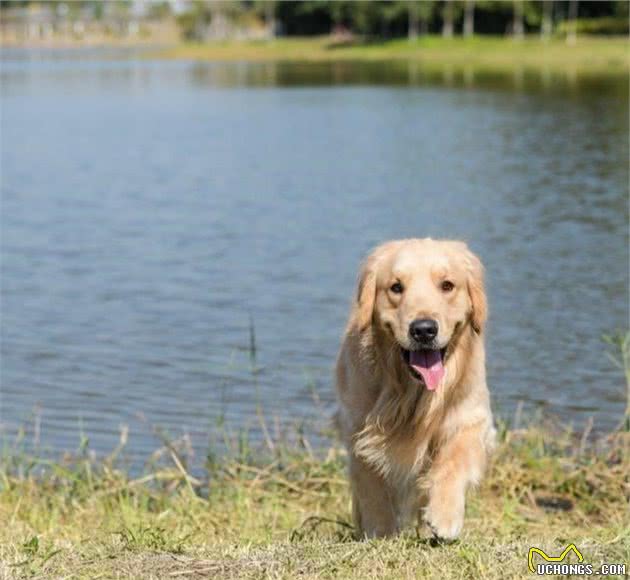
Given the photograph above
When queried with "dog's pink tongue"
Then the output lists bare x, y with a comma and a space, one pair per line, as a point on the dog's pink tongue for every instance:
428, 363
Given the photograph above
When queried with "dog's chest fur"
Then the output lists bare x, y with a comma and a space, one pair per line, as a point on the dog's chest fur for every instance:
401, 453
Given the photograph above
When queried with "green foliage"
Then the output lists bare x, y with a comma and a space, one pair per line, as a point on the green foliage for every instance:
596, 26
193, 22
392, 18
373, 18
159, 10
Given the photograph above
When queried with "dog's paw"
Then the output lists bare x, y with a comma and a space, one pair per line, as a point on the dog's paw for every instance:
445, 524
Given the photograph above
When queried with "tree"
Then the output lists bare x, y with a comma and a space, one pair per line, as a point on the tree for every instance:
546, 26
448, 17
337, 13
469, 18
413, 19
158, 10
409, 11
518, 25
573, 14
267, 9
425, 13
367, 18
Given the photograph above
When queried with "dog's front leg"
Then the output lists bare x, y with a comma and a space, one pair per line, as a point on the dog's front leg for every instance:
373, 501
459, 463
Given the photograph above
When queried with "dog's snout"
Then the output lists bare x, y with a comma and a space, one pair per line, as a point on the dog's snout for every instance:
423, 329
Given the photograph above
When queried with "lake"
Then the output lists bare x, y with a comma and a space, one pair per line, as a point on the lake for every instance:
161, 218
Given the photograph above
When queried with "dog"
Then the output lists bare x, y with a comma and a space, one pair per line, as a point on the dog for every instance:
413, 403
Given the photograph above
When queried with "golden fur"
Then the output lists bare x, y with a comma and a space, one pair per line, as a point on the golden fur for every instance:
414, 451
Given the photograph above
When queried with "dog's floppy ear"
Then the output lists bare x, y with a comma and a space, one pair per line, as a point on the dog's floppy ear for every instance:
366, 293
476, 291
366, 287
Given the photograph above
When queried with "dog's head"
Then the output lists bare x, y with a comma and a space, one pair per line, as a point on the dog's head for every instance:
421, 293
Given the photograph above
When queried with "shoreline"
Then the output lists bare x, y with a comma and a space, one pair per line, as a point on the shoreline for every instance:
483, 52
596, 54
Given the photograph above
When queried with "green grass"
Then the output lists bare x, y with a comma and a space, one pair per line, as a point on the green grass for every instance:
500, 53
288, 515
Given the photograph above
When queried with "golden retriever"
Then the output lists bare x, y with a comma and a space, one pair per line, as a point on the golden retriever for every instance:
414, 409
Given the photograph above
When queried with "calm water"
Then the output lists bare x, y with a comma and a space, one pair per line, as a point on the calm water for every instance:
149, 209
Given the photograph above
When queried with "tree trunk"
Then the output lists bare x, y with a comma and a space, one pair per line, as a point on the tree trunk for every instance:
447, 19
469, 18
547, 20
424, 26
270, 18
413, 20
573, 14
518, 27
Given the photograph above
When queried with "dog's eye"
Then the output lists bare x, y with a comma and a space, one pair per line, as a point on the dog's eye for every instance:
447, 286
396, 288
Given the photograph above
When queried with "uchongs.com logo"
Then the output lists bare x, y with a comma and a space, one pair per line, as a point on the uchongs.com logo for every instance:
555, 565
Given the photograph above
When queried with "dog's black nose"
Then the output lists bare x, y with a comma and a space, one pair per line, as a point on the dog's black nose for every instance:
423, 329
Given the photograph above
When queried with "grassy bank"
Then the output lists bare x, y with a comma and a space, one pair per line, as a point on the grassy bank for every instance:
589, 53
288, 516
285, 512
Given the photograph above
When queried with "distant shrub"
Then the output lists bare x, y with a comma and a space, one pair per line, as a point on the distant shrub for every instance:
607, 25
188, 26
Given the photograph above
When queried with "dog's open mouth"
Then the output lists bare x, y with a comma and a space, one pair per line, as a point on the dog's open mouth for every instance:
426, 365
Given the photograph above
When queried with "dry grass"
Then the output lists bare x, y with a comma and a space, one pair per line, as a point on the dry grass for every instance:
286, 513
287, 516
